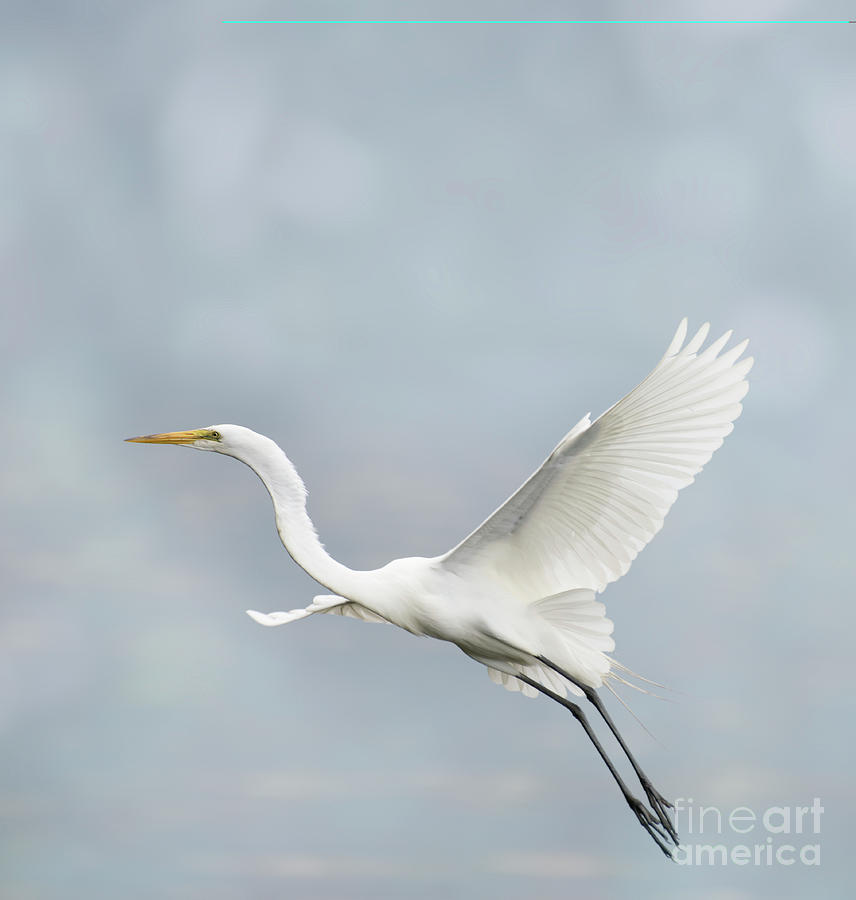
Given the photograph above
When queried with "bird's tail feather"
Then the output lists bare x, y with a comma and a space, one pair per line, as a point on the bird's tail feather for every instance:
615, 664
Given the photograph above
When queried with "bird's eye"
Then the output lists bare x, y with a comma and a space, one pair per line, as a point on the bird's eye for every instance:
216, 436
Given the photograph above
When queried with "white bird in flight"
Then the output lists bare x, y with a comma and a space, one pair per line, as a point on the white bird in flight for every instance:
518, 594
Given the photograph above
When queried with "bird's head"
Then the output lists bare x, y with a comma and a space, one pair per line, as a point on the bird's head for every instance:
228, 439
258, 452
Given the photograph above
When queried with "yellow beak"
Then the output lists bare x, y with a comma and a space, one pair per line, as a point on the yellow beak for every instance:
171, 437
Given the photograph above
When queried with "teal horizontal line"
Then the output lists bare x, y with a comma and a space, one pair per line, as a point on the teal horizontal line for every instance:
536, 22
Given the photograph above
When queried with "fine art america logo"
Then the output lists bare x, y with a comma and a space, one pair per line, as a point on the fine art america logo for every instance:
778, 835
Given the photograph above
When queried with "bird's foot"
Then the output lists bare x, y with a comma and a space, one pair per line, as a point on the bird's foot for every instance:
661, 806
651, 823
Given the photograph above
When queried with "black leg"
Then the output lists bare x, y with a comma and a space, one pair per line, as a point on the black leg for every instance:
649, 822
659, 804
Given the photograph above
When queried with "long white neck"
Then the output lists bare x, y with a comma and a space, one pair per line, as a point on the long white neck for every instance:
295, 528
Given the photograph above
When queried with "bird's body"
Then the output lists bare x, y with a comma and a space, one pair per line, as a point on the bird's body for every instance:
479, 615
518, 594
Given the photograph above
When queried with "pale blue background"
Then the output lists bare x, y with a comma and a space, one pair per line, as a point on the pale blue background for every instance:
414, 256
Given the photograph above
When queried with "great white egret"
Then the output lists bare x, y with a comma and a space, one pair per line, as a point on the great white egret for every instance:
518, 594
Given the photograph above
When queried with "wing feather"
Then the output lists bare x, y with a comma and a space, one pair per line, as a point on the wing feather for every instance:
324, 603
602, 494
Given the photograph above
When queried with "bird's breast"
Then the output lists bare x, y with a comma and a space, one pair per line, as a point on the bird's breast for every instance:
482, 626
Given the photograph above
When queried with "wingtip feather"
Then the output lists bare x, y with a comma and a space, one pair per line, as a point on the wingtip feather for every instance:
270, 620
678, 339
697, 339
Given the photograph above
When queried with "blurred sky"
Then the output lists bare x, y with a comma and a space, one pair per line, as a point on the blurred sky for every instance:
414, 256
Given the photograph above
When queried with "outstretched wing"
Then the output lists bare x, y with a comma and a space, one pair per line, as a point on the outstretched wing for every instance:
325, 603
603, 493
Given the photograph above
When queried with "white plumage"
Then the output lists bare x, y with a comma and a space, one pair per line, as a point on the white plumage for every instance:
578, 522
518, 594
